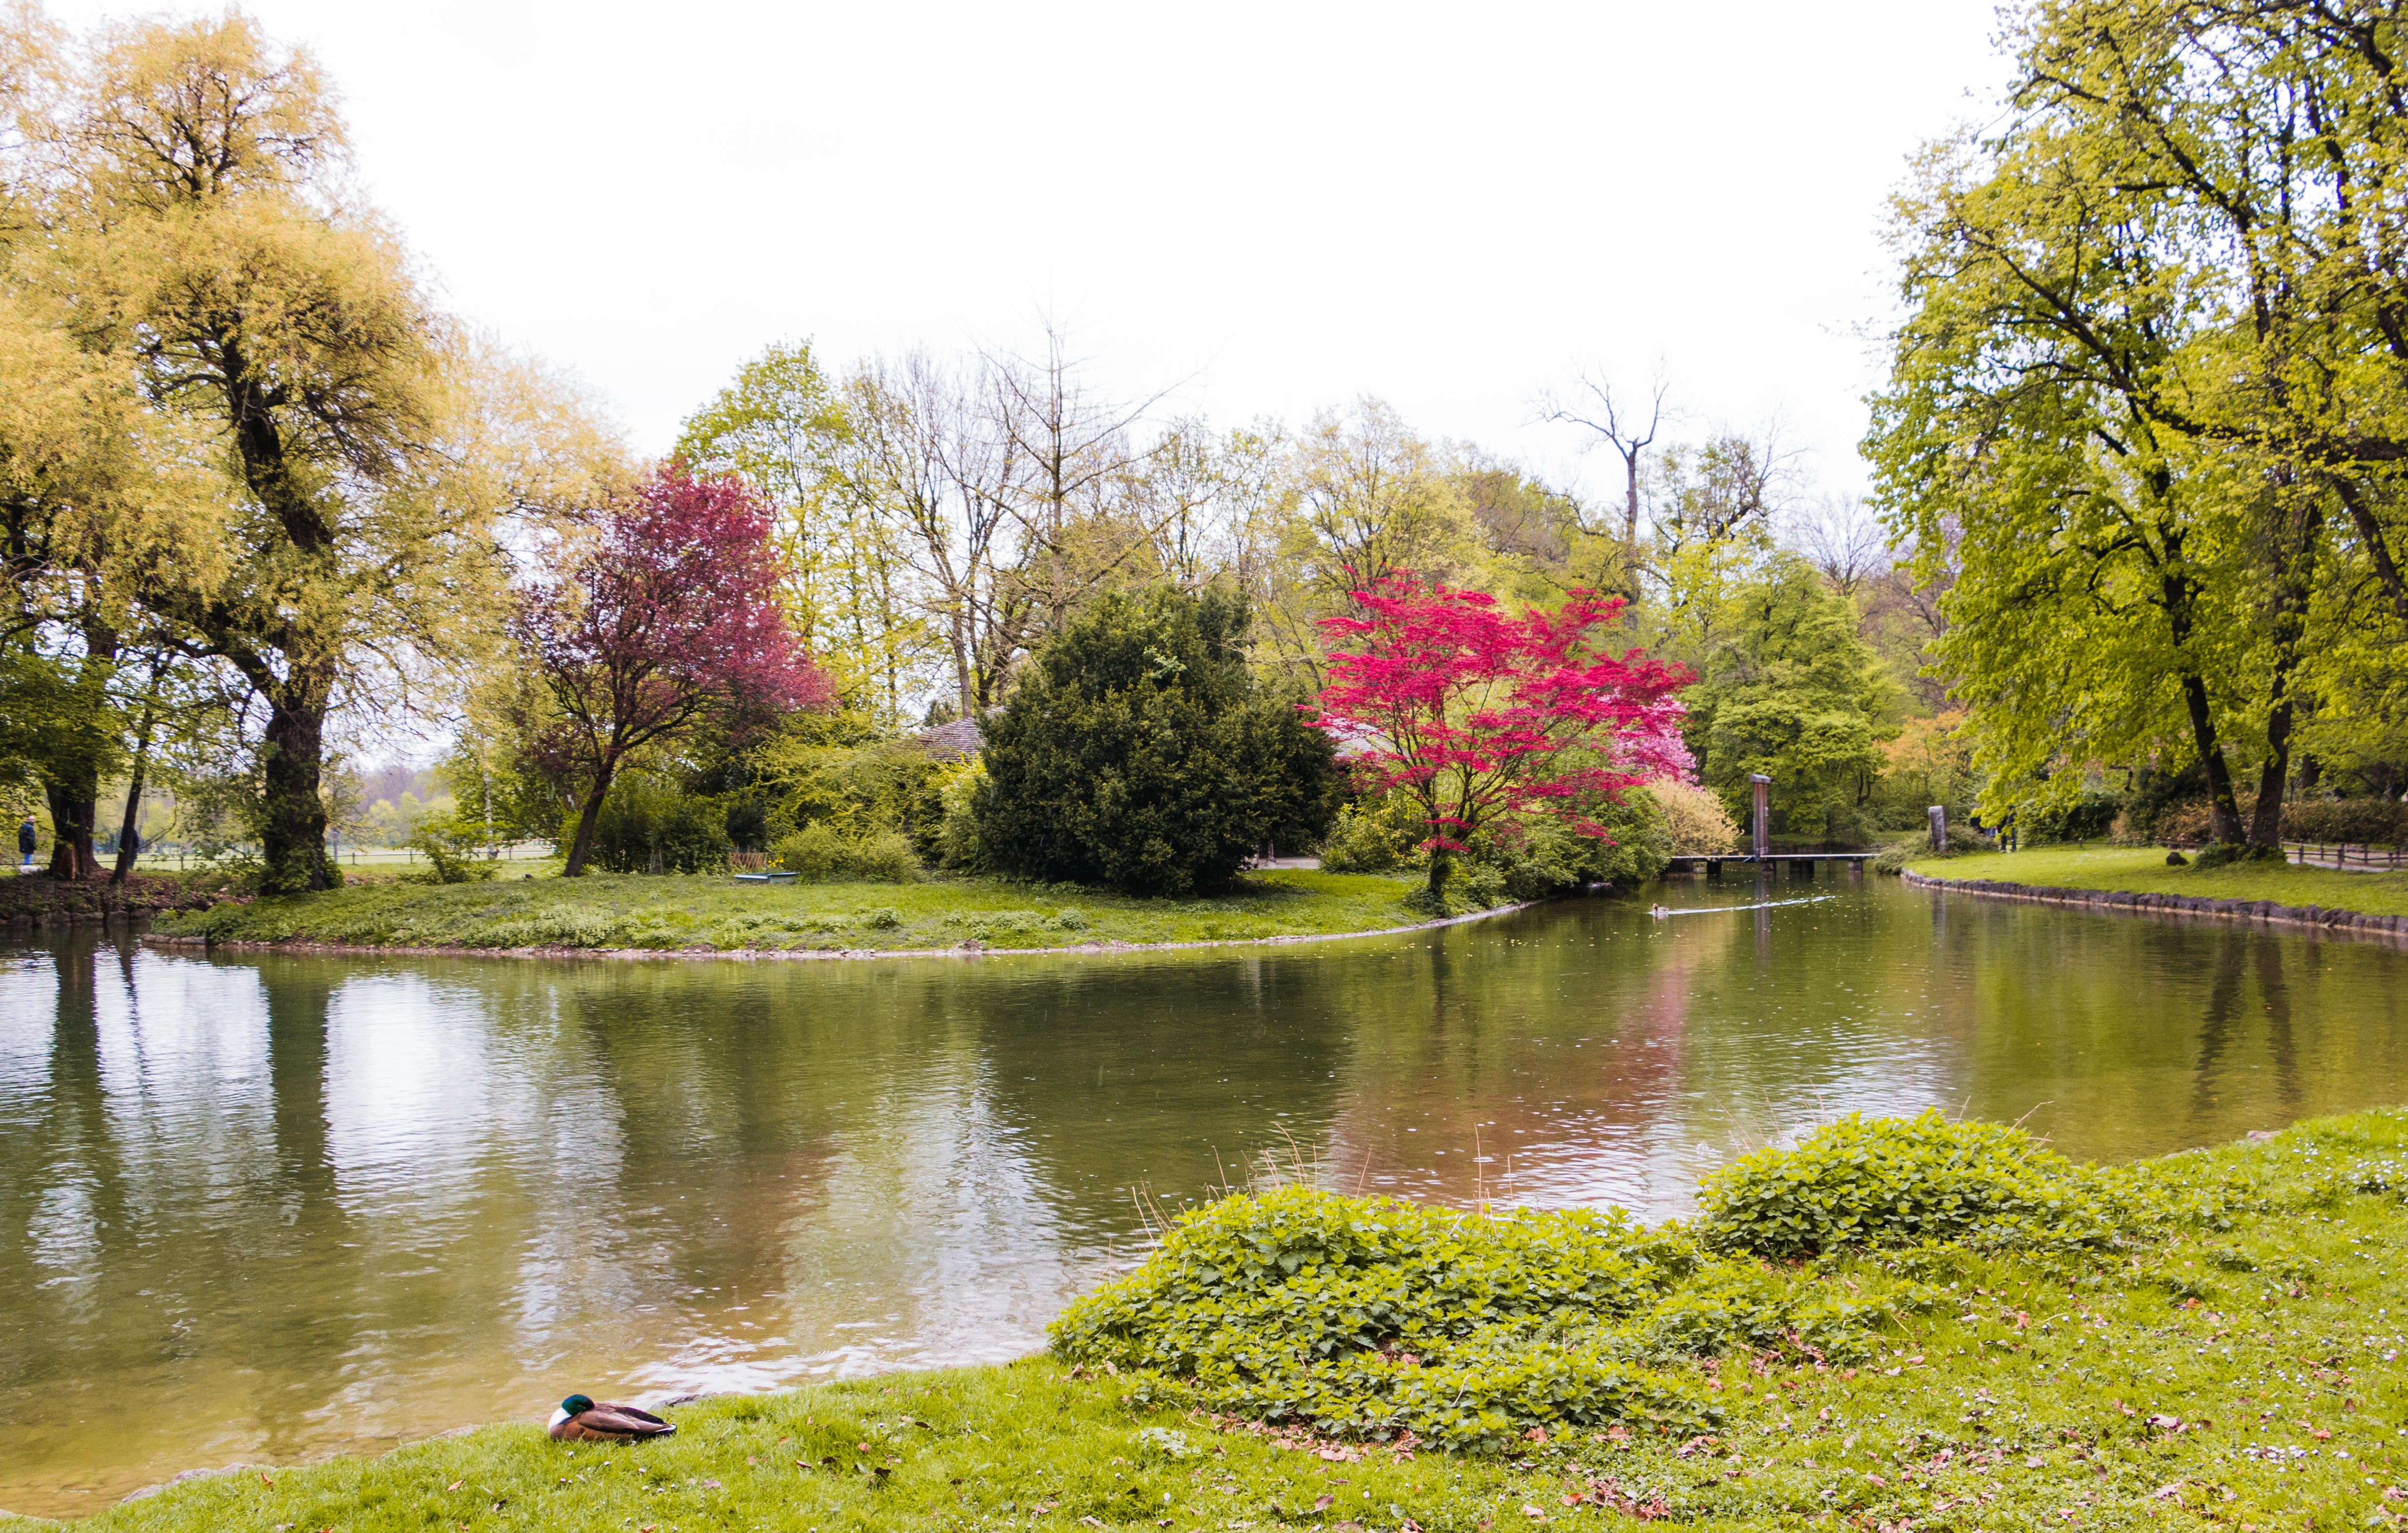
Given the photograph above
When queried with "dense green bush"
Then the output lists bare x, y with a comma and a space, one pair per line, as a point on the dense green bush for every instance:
1374, 835
821, 852
1540, 858
453, 848
2088, 818
1893, 1182
1137, 752
647, 824
2375, 822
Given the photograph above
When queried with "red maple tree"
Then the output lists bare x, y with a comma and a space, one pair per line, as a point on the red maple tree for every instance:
664, 623
1478, 713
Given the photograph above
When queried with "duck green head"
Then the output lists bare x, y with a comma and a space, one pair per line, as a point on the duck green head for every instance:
577, 1405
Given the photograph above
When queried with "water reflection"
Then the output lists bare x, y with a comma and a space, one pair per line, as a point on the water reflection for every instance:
265, 1208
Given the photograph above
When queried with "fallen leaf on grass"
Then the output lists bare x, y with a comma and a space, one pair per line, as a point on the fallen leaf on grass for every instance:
1322, 1503
1533, 1513
455, 1484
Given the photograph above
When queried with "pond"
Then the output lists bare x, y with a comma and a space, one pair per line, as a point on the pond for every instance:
261, 1209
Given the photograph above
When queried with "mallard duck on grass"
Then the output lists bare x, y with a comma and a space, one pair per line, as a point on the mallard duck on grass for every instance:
581, 1420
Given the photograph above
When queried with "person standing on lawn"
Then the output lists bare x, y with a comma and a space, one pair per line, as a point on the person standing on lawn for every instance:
27, 839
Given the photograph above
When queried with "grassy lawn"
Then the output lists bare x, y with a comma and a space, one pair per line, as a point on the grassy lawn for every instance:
2236, 1369
2142, 870
706, 911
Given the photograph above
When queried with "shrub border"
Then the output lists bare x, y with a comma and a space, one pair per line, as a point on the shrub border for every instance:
2318, 917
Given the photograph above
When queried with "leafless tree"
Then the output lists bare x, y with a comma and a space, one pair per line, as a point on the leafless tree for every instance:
1843, 539
1591, 406
1076, 460
925, 453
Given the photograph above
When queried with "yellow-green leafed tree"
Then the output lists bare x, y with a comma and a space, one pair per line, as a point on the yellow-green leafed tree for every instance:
335, 454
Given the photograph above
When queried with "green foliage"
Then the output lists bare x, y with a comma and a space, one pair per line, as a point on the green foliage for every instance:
2088, 818
1375, 834
647, 825
1137, 752
2374, 821
1896, 1181
453, 848
1541, 858
1785, 688
821, 852
859, 787
956, 826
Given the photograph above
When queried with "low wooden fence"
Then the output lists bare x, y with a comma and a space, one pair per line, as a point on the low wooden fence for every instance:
748, 862
2344, 854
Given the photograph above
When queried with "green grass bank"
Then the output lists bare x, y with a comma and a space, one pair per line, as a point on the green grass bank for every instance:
713, 912
2142, 870
1959, 1332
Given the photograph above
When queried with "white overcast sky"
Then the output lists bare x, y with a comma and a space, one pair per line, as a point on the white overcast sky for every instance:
1273, 208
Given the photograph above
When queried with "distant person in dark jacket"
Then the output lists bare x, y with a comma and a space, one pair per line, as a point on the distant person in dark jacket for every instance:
27, 839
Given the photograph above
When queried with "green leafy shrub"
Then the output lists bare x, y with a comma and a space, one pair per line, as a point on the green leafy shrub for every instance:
647, 825
2373, 822
452, 848
2088, 818
957, 835
818, 854
1896, 1181
1374, 835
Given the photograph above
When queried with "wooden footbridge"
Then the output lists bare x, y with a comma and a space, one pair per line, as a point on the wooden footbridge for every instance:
1762, 859
1801, 864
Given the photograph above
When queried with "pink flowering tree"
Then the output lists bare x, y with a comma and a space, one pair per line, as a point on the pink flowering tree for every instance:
665, 623
1479, 713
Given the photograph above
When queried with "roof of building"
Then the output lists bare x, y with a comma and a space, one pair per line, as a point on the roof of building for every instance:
956, 742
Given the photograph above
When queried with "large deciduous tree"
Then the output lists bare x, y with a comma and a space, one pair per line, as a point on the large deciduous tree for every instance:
1475, 711
307, 461
2148, 398
664, 620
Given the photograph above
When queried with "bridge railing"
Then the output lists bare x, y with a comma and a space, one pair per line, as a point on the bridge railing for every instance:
2344, 854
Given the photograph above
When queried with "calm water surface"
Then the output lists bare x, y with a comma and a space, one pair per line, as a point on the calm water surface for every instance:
262, 1209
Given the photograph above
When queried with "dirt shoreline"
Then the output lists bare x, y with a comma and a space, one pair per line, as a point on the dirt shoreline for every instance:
2391, 928
964, 950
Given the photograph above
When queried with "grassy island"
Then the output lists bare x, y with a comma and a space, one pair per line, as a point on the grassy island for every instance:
1901, 1324
2142, 870
692, 912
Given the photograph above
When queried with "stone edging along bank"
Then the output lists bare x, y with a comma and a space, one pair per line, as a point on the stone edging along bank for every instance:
966, 949
2316, 916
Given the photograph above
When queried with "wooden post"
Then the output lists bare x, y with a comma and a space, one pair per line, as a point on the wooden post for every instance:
1763, 788
1939, 813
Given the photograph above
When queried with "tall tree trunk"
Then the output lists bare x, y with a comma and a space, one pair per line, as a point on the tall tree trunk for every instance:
2223, 813
74, 798
292, 817
2295, 548
588, 814
129, 834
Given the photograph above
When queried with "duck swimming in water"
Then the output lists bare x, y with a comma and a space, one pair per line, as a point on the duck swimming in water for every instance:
581, 1420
